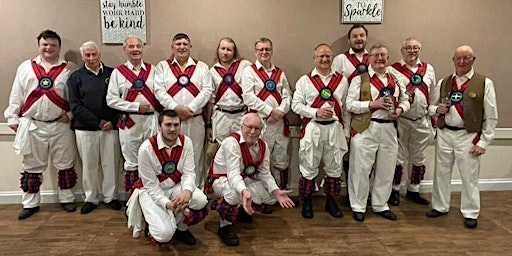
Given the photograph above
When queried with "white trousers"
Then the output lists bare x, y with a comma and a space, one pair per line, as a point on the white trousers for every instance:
99, 150
224, 124
412, 144
451, 147
378, 144
278, 145
259, 193
54, 140
194, 129
131, 139
161, 226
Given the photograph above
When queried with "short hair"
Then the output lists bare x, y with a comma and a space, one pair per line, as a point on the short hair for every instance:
262, 40
377, 46
230, 40
180, 36
89, 45
357, 25
251, 114
322, 44
168, 113
410, 39
129, 37
48, 34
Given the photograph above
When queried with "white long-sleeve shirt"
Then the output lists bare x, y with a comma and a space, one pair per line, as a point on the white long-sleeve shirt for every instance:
229, 100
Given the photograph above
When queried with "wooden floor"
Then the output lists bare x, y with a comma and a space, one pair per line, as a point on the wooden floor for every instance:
103, 232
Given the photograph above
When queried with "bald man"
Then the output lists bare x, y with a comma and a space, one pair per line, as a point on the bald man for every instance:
466, 126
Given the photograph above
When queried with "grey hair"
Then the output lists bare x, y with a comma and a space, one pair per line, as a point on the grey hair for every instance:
410, 39
249, 115
89, 45
131, 36
263, 40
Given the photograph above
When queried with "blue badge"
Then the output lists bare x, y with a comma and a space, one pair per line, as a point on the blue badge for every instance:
183, 80
362, 68
416, 79
270, 85
326, 93
45, 82
138, 84
456, 97
386, 92
169, 167
250, 170
228, 79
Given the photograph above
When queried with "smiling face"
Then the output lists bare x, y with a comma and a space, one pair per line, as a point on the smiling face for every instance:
357, 39
411, 51
263, 52
181, 49
251, 128
379, 59
49, 49
133, 50
463, 60
323, 58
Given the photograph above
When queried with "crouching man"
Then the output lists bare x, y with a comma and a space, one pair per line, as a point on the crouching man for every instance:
241, 175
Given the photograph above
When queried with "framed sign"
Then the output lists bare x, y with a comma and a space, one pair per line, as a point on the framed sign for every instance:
362, 11
121, 18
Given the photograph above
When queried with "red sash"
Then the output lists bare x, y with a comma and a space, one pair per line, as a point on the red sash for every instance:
45, 87
325, 93
377, 83
247, 159
458, 106
267, 83
139, 85
420, 73
182, 79
355, 62
228, 81
169, 162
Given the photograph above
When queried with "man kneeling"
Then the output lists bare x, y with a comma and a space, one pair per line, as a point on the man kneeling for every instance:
242, 175
169, 198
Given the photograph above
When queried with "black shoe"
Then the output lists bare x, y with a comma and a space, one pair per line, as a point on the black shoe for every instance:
435, 213
243, 216
394, 198
470, 223
68, 207
185, 237
416, 197
228, 235
387, 214
27, 212
263, 208
87, 208
295, 201
307, 208
358, 216
332, 207
115, 205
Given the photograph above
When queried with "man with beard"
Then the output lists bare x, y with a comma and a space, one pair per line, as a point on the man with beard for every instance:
131, 91
95, 123
319, 99
414, 126
40, 115
350, 64
267, 92
376, 99
185, 85
466, 127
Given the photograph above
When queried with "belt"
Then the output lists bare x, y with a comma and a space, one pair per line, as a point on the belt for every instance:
382, 121
453, 128
46, 121
140, 113
413, 119
196, 115
324, 122
236, 111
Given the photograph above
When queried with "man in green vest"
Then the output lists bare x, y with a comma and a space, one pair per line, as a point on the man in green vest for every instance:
466, 126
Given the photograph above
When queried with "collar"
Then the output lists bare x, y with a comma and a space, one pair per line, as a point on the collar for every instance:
315, 73
161, 144
39, 61
259, 65
372, 72
131, 66
468, 75
352, 52
190, 62
417, 64
220, 65
100, 70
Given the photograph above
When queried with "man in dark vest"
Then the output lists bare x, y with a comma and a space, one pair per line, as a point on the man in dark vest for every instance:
466, 126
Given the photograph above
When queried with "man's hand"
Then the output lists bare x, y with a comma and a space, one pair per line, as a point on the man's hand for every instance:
184, 112
381, 103
247, 202
180, 202
14, 127
477, 151
275, 116
283, 198
106, 125
443, 108
63, 118
324, 113
144, 107
396, 113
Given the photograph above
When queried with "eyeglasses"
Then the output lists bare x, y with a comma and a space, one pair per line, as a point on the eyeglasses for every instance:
412, 48
264, 50
376, 55
465, 59
255, 128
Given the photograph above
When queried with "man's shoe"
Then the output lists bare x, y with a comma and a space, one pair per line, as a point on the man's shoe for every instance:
263, 208
228, 236
243, 216
394, 198
358, 216
295, 201
470, 223
185, 237
416, 198
307, 208
387, 214
87, 208
435, 213
115, 205
27, 212
332, 207
68, 207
